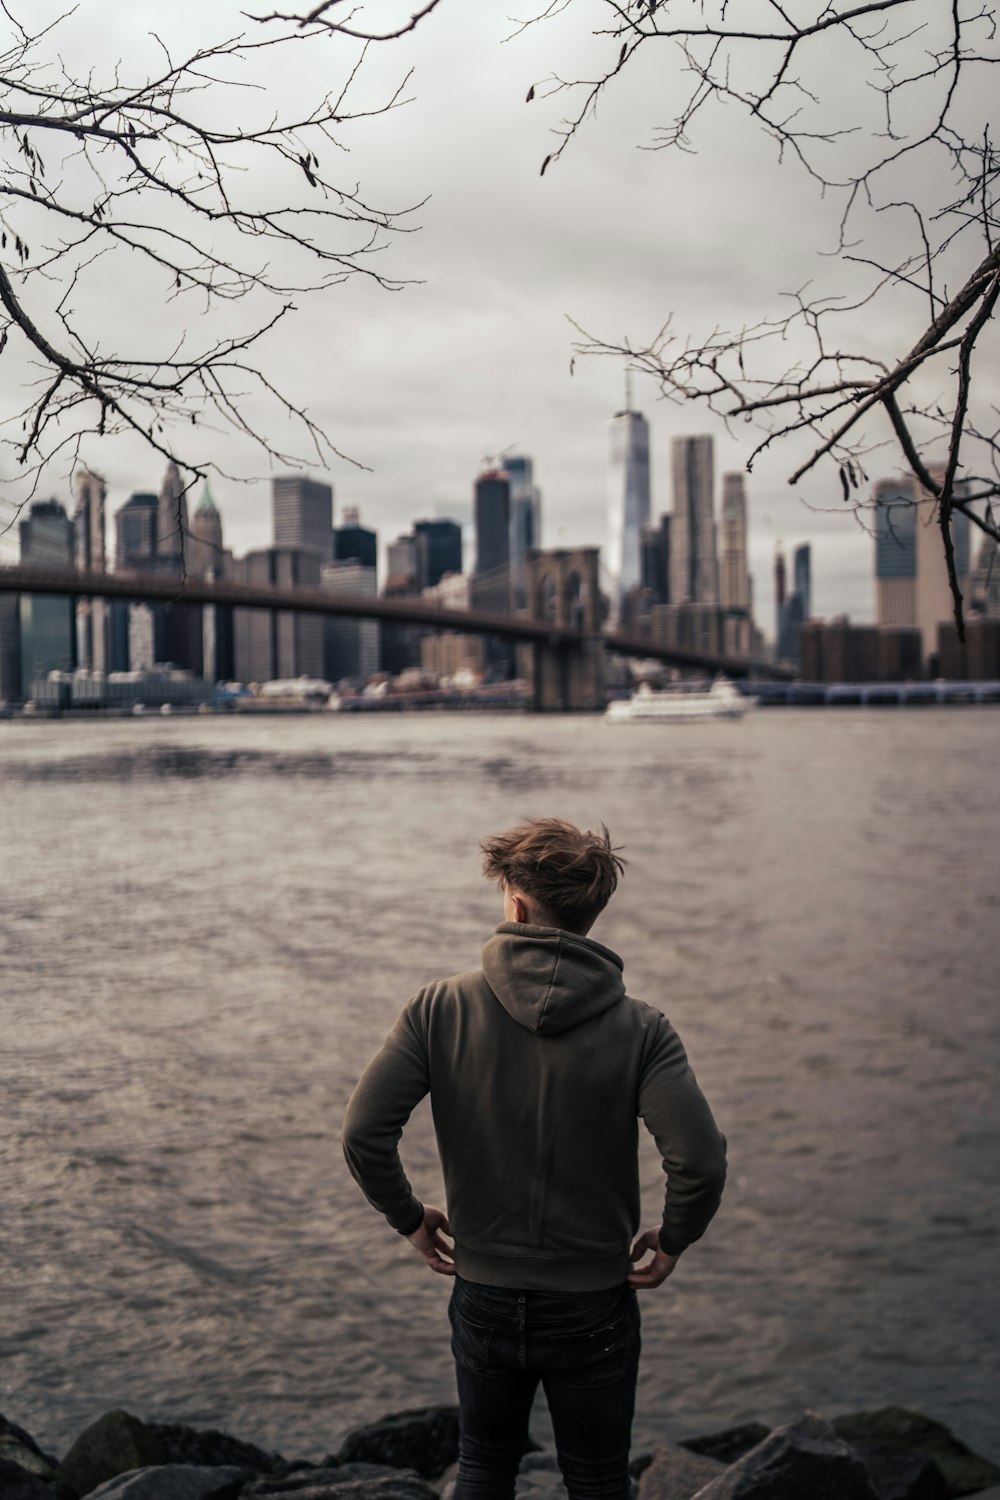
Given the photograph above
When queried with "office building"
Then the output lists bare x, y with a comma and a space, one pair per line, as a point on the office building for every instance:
934, 600
984, 585
89, 553
525, 523
654, 560
10, 650
136, 525
694, 571
895, 502
302, 514
628, 502
734, 576
438, 550
779, 593
492, 522
172, 519
351, 647
353, 542
401, 564
205, 550
269, 644
46, 622
802, 577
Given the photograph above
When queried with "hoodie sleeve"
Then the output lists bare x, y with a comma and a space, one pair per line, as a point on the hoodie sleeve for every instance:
386, 1094
676, 1113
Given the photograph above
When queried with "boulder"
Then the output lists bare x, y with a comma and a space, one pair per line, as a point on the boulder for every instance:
174, 1482
963, 1471
342, 1482
729, 1444
425, 1440
17, 1483
804, 1459
114, 1444
15, 1452
904, 1474
207, 1448
675, 1473
11, 1434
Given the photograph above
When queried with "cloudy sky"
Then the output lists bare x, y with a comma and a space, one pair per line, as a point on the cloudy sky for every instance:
473, 356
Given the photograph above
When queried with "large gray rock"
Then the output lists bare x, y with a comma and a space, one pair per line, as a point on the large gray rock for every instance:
13, 1451
804, 1461
114, 1444
425, 1440
174, 1482
676, 1474
11, 1434
350, 1482
904, 1474
207, 1448
17, 1484
963, 1471
729, 1444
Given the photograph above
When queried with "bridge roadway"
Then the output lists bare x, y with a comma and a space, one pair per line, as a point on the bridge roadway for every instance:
167, 589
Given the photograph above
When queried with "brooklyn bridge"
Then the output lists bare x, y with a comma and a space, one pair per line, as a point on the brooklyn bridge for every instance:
562, 626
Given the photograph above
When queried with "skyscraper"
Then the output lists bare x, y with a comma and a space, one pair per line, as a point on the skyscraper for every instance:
734, 580
302, 512
89, 553
802, 577
205, 553
172, 517
47, 622
271, 644
353, 542
437, 551
525, 522
911, 577
135, 532
351, 647
628, 501
895, 551
694, 571
492, 515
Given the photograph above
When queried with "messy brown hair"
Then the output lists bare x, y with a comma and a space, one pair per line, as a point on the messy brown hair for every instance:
570, 875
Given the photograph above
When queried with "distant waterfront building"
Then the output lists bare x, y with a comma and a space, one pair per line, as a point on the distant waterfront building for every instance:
353, 542
492, 520
628, 501
896, 552
136, 532
802, 577
90, 492
779, 593
694, 569
302, 514
351, 647
10, 650
205, 540
911, 578
401, 561
654, 560
734, 580
172, 517
984, 584
437, 551
268, 644
525, 523
47, 623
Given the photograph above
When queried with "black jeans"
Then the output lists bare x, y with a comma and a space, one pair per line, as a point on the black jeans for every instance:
582, 1346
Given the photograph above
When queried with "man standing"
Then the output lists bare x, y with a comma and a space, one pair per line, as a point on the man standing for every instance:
538, 1068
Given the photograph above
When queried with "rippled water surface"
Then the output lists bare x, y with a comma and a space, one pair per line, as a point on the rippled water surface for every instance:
208, 924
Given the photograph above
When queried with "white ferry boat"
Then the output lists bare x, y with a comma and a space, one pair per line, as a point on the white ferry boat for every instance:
682, 700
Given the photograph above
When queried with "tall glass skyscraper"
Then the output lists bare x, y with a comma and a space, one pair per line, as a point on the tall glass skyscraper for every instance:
628, 501
694, 568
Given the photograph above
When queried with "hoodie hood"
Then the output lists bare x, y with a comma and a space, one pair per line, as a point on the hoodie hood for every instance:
549, 980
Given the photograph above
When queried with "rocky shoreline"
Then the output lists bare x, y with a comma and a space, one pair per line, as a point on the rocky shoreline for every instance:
890, 1454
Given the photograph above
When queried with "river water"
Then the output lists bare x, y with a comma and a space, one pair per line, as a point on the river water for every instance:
208, 924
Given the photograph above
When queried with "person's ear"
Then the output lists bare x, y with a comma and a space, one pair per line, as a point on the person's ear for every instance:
520, 909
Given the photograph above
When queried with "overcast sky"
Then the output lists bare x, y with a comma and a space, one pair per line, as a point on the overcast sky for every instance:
473, 358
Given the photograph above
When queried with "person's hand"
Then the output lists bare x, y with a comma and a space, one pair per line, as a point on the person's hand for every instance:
428, 1240
655, 1271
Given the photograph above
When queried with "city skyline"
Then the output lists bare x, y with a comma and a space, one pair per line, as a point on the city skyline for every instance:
474, 356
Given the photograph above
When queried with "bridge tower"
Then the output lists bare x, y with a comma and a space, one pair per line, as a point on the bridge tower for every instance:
567, 674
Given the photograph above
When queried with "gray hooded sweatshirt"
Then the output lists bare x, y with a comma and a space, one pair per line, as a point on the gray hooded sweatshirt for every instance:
539, 1067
